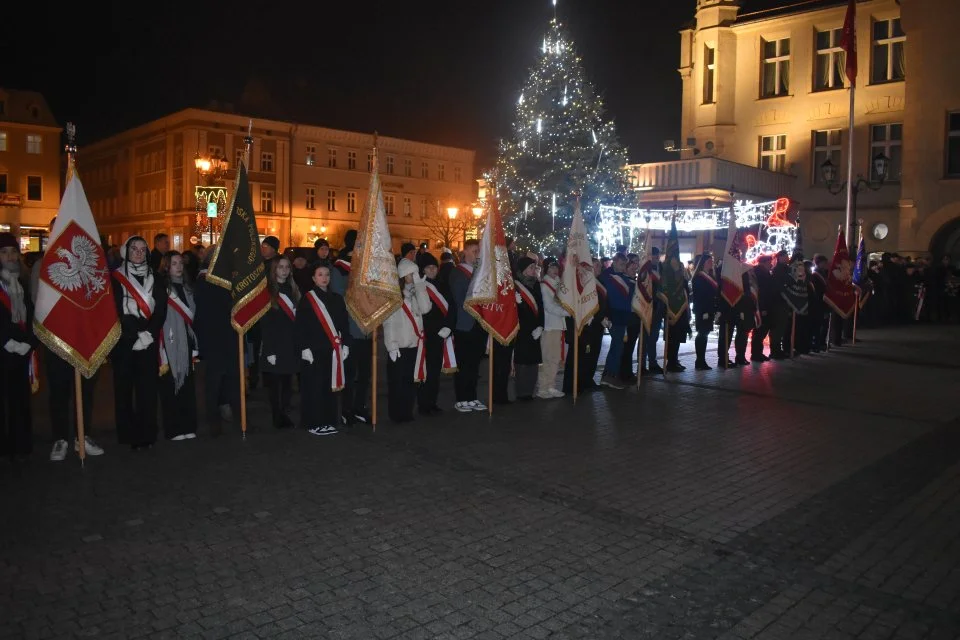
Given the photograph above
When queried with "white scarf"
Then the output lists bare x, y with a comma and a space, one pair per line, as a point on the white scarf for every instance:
11, 284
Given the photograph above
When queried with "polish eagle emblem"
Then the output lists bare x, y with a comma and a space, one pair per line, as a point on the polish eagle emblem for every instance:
79, 269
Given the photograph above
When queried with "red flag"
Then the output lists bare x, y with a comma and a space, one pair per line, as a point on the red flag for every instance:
491, 295
841, 295
75, 313
849, 41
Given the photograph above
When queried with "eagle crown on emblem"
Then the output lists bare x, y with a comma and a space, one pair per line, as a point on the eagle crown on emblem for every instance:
79, 269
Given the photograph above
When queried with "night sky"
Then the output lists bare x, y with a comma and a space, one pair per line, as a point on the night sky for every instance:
443, 72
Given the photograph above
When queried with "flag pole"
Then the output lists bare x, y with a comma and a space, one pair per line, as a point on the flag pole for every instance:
373, 401
576, 364
850, 182
856, 310
640, 355
666, 340
726, 351
490, 385
71, 149
248, 146
793, 336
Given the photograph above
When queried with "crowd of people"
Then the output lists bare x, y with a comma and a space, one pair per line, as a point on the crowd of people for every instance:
171, 317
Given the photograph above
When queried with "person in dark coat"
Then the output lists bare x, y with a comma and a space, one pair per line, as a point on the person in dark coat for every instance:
279, 355
526, 347
141, 301
178, 347
446, 266
591, 339
219, 350
323, 336
438, 325
359, 368
18, 346
768, 296
705, 293
819, 313
779, 315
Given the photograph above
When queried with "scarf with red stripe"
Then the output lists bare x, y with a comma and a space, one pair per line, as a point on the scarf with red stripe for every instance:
527, 296
33, 367
286, 305
420, 368
449, 355
337, 374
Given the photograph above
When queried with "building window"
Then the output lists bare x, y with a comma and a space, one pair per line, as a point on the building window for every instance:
34, 144
407, 167
423, 208
388, 202
3, 140
441, 172
332, 158
177, 158
3, 183
311, 198
424, 170
351, 160
889, 64
240, 158
331, 200
177, 196
369, 162
266, 201
266, 161
888, 140
34, 188
953, 144
773, 153
390, 164
311, 156
407, 207
351, 201
216, 150
776, 68
457, 174
709, 73
826, 146
831, 61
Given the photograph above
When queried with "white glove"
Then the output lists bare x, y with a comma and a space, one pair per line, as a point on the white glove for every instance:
272, 360
146, 337
537, 333
394, 355
706, 316
195, 354
345, 351
606, 323
589, 322
23, 348
11, 346
444, 333
307, 355
519, 299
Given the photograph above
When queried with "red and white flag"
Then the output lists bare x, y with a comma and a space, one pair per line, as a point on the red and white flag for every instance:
491, 295
578, 284
642, 303
732, 269
76, 316
849, 41
841, 294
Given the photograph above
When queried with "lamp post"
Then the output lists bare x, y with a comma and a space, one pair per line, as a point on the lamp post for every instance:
828, 170
210, 170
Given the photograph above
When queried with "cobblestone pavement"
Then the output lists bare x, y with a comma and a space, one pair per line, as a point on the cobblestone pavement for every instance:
816, 498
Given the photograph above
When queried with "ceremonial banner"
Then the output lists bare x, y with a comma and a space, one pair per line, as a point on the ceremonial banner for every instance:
75, 315
491, 295
795, 290
841, 296
237, 264
674, 293
849, 41
578, 284
860, 277
373, 292
732, 269
642, 303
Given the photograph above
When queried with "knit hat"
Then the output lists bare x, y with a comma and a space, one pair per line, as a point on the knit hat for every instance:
425, 260
523, 263
406, 248
320, 242
407, 267
7, 239
273, 241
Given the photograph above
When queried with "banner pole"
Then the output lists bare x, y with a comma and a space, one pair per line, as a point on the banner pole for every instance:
793, 335
666, 342
640, 356
490, 385
856, 309
81, 435
829, 331
576, 363
373, 400
243, 388
726, 351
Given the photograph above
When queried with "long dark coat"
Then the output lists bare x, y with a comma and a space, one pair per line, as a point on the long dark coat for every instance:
526, 350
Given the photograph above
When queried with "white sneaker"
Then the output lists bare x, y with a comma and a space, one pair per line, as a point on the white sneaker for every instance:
59, 451
190, 436
91, 447
180, 437
463, 407
546, 395
327, 430
556, 393
476, 405
610, 382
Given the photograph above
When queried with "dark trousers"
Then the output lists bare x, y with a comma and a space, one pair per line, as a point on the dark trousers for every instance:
358, 371
816, 329
800, 333
178, 409
401, 387
780, 322
16, 425
836, 328
469, 347
255, 336
60, 388
584, 372
280, 391
525, 382
626, 360
740, 342
318, 404
673, 352
430, 388
651, 339
136, 377
700, 344
502, 364
759, 335
221, 387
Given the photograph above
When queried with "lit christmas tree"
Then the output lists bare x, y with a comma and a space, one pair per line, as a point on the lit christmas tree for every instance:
561, 144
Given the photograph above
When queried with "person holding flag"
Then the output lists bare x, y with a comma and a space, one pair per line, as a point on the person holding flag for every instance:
530, 309
861, 279
438, 325
470, 337
732, 316
279, 355
405, 341
674, 296
705, 294
841, 294
644, 299
553, 342
491, 300
619, 297
579, 296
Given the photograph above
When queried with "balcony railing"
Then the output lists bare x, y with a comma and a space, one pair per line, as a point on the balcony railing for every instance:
11, 200
707, 173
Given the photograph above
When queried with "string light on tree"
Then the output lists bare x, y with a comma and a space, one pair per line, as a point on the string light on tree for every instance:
561, 143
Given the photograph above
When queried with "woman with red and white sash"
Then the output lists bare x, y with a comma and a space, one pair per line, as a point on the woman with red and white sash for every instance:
438, 325
142, 309
178, 348
553, 342
526, 348
706, 293
323, 337
279, 353
404, 338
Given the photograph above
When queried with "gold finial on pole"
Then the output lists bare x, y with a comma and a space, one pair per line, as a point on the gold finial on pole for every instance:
71, 149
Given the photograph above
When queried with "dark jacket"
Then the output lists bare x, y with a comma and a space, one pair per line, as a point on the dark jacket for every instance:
130, 325
526, 349
459, 282
279, 338
435, 319
705, 294
216, 337
309, 332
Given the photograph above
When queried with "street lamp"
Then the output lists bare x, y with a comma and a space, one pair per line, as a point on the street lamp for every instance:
452, 212
477, 212
828, 170
209, 170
